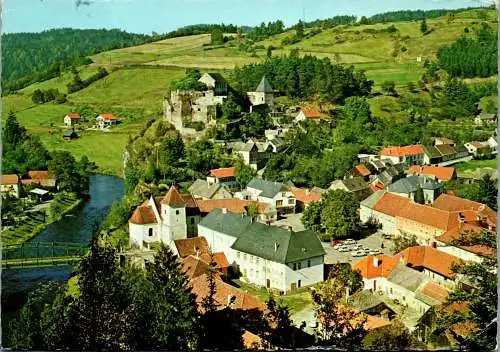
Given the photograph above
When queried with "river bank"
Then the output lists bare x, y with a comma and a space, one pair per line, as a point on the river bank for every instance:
35, 223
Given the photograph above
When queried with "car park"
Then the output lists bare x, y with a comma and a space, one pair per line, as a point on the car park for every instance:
338, 245
375, 251
359, 253
349, 241
344, 249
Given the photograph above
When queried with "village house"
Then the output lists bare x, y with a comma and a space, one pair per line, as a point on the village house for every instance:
10, 185
493, 144
305, 196
407, 155
310, 114
204, 190
71, 119
360, 170
278, 132
40, 178
197, 248
267, 256
263, 96
69, 135
369, 303
485, 119
164, 219
420, 189
106, 120
274, 194
478, 149
261, 212
254, 153
356, 185
441, 173
224, 176
277, 144
443, 140
444, 154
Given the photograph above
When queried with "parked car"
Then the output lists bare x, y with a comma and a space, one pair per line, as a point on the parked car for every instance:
338, 245
359, 253
344, 249
357, 246
349, 241
375, 251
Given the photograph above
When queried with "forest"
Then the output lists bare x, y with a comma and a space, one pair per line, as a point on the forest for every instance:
304, 78
471, 57
34, 57
412, 15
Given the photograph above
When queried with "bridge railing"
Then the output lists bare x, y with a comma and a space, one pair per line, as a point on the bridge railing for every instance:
33, 250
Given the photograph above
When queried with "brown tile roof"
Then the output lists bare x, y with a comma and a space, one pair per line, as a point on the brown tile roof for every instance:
431, 259
40, 175
477, 144
232, 204
369, 270
223, 172
441, 173
376, 186
402, 151
173, 198
391, 204
455, 233
362, 170
435, 291
191, 246
73, 115
189, 200
108, 116
252, 341
219, 259
143, 215
373, 322
193, 267
310, 113
445, 149
224, 291
305, 195
464, 328
428, 215
10, 179
453, 203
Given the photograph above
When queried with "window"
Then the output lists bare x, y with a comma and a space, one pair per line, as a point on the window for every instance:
257, 260
192, 221
391, 290
245, 256
176, 212
150, 232
308, 263
300, 265
294, 266
238, 255
298, 283
279, 203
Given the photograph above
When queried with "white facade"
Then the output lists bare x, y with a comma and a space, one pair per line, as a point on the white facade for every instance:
493, 144
281, 200
460, 253
387, 222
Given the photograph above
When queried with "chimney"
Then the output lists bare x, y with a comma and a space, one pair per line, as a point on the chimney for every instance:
275, 246
375, 261
224, 210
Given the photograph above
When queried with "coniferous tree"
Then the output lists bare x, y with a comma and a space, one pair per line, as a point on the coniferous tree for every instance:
423, 27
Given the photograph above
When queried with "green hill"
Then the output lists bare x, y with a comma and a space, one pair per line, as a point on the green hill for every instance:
139, 76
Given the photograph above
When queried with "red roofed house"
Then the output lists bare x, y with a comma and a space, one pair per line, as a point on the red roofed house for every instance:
304, 197
164, 220
105, 120
10, 185
440, 172
478, 149
224, 176
310, 114
407, 155
359, 170
71, 118
40, 178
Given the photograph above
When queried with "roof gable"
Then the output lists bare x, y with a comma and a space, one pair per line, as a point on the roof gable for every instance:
402, 151
269, 189
191, 246
173, 198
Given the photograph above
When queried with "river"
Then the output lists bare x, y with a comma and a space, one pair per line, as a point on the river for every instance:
76, 227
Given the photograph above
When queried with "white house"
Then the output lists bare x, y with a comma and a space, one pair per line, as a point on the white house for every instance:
105, 120
254, 153
407, 155
265, 255
214, 81
477, 148
493, 144
71, 118
273, 193
310, 114
225, 176
163, 219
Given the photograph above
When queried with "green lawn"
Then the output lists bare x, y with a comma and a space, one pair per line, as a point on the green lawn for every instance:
294, 301
476, 164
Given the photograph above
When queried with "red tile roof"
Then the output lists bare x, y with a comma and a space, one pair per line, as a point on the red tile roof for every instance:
143, 215
478, 145
453, 203
305, 195
252, 341
224, 291
369, 270
453, 234
232, 204
402, 151
377, 186
435, 291
223, 172
373, 322
73, 115
310, 113
391, 204
108, 116
441, 173
193, 267
10, 179
362, 170
427, 215
40, 175
191, 246
173, 198
431, 259
219, 259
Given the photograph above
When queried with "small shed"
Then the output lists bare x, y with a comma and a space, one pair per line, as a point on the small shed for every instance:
69, 135
40, 194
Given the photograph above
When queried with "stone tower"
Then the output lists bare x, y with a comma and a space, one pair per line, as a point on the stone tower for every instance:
173, 213
263, 95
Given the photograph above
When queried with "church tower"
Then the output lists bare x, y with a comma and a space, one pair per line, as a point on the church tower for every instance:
173, 213
263, 95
